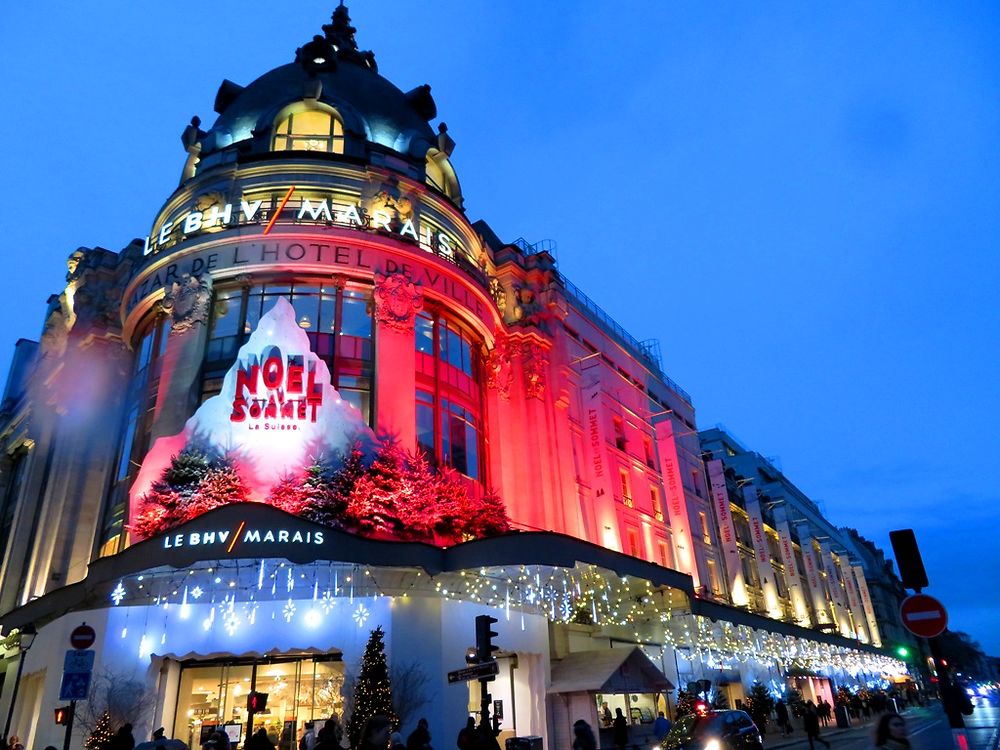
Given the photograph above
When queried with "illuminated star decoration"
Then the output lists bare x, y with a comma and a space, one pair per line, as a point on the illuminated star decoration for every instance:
289, 611
326, 602
196, 592
361, 615
231, 622
118, 594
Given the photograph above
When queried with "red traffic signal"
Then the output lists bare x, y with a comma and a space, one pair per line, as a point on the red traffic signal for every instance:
62, 715
256, 702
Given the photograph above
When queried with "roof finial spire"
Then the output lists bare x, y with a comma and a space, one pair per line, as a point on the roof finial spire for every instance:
340, 33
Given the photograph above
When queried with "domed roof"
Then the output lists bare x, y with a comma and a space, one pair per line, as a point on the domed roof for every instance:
332, 71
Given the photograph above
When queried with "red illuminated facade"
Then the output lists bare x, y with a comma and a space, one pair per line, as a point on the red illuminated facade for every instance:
314, 324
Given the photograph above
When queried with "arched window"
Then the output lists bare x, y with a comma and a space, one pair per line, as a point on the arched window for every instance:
309, 126
449, 409
440, 175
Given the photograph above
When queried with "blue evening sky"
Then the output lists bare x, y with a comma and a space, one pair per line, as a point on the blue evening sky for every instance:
800, 200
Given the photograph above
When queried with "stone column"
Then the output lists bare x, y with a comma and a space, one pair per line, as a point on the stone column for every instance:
397, 302
187, 302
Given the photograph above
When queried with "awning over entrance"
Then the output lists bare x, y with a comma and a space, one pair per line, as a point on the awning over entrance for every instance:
614, 670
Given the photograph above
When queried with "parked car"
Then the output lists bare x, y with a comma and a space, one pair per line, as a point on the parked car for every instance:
713, 730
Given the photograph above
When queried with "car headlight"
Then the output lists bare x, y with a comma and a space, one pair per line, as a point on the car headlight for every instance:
713, 745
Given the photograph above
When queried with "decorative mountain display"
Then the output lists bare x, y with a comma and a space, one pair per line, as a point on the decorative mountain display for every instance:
279, 433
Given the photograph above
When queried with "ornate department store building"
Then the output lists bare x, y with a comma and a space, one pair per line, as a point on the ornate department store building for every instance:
318, 399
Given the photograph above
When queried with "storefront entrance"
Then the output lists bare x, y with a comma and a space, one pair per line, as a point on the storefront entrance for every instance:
212, 696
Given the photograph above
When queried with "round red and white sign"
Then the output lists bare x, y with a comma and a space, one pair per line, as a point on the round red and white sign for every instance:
923, 615
82, 637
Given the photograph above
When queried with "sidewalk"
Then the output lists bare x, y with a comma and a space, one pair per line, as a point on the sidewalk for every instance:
773, 739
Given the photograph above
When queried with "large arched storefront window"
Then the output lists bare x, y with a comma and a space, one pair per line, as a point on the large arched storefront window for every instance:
337, 319
449, 402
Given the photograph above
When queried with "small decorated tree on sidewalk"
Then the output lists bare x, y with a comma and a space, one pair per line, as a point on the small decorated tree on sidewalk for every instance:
759, 705
685, 703
100, 738
372, 692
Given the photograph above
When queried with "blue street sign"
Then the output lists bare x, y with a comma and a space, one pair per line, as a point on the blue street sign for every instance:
75, 686
79, 661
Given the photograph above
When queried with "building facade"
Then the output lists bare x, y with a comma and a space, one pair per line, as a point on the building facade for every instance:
318, 399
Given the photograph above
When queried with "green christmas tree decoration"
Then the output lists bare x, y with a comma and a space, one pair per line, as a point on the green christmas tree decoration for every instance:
759, 705
100, 738
372, 693
719, 701
685, 703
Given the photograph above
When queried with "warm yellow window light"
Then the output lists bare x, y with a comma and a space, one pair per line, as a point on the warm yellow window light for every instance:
309, 128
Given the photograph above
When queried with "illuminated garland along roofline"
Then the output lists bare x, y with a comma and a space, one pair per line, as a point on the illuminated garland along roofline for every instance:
536, 548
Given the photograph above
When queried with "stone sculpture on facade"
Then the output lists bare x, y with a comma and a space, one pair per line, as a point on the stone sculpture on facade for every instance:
397, 301
187, 302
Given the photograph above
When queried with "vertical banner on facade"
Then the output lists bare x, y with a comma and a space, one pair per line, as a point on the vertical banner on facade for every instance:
760, 551
792, 572
601, 486
727, 533
812, 575
853, 600
677, 510
836, 591
866, 604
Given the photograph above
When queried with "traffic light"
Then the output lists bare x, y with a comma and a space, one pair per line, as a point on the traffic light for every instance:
484, 638
62, 715
908, 560
902, 652
256, 702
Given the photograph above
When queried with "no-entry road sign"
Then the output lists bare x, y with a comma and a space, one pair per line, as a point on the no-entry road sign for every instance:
923, 615
82, 637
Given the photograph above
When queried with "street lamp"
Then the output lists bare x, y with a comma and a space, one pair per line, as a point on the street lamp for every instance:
28, 634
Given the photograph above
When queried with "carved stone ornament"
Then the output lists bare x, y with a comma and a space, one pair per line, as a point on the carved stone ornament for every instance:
397, 301
187, 302
528, 308
499, 294
536, 365
499, 372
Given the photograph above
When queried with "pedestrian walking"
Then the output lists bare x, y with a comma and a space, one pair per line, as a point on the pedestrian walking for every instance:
583, 736
330, 736
420, 738
620, 729
824, 710
810, 723
375, 733
891, 732
781, 713
661, 726
259, 741
466, 735
308, 741
123, 739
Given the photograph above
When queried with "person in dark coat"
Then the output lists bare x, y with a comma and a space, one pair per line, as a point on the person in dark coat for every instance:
420, 738
123, 739
583, 736
466, 735
620, 727
810, 723
260, 741
375, 733
781, 712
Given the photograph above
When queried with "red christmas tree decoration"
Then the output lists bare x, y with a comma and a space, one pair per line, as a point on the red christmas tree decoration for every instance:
374, 503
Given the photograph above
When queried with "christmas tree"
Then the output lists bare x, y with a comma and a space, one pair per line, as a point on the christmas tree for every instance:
100, 738
719, 701
685, 703
487, 517
794, 700
759, 705
372, 693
